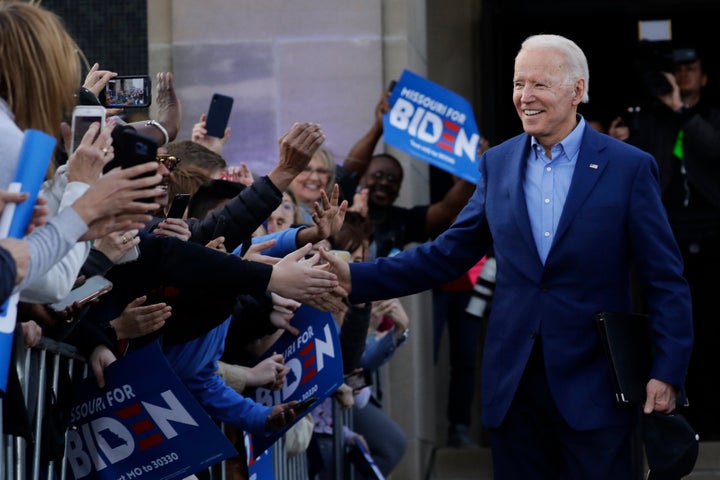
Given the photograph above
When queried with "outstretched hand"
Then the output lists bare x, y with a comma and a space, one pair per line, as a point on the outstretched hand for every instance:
297, 277
339, 267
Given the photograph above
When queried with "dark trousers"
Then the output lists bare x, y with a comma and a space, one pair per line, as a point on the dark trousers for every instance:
535, 443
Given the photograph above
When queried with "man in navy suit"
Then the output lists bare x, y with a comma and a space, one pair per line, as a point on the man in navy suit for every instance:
573, 215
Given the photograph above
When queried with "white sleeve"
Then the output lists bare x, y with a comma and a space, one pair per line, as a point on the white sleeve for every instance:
50, 243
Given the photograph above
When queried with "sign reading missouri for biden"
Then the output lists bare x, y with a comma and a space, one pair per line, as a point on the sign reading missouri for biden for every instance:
433, 124
315, 362
143, 424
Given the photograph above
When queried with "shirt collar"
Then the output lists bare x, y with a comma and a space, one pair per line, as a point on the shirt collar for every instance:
570, 145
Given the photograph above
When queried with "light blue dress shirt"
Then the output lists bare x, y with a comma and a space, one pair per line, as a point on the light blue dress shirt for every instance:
546, 185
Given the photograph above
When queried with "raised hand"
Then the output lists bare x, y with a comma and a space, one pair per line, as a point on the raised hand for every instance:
168, 103
199, 135
96, 79
329, 217
94, 152
297, 146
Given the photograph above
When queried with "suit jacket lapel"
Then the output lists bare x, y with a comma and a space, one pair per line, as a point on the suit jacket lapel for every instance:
588, 168
516, 176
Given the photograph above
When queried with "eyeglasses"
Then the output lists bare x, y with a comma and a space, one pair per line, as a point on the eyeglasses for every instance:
320, 171
168, 161
389, 177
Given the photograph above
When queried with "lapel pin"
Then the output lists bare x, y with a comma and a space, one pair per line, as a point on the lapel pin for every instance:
594, 165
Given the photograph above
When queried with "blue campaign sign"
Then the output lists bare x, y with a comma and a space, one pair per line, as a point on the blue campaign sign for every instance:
33, 161
433, 124
144, 423
315, 362
260, 467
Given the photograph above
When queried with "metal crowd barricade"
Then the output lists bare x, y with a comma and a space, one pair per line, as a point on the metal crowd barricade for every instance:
42, 366
36, 368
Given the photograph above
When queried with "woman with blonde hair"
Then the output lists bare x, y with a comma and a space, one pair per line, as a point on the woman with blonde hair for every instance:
39, 77
319, 175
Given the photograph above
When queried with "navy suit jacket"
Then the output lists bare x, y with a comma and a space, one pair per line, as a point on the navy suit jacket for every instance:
613, 221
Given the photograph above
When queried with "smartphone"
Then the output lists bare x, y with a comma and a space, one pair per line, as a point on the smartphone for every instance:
133, 148
84, 116
304, 405
87, 292
358, 380
218, 115
128, 91
299, 409
178, 205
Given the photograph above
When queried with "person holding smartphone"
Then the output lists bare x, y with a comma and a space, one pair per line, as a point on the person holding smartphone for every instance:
94, 202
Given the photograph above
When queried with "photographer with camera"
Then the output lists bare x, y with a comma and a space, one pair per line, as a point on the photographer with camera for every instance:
681, 130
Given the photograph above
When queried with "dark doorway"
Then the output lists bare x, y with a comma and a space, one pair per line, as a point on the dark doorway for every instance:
608, 33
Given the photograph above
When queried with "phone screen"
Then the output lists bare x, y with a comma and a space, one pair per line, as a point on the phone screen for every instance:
128, 92
80, 127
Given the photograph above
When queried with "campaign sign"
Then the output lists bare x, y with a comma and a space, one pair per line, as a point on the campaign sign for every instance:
315, 363
433, 124
143, 424
33, 161
260, 467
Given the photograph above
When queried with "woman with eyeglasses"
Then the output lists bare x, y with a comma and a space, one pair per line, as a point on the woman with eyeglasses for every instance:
319, 175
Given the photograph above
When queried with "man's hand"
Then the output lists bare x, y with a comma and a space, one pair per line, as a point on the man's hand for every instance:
660, 397
296, 277
297, 146
341, 268
334, 302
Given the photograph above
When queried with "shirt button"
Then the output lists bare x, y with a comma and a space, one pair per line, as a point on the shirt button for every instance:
547, 234
548, 169
547, 200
